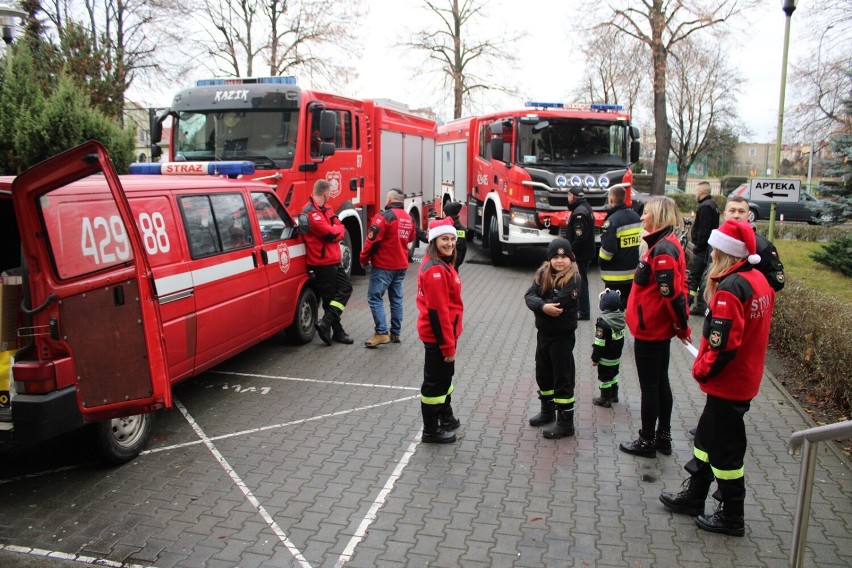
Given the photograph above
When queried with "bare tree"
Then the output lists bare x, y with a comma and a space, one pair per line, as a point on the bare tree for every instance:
700, 98
287, 36
461, 57
614, 71
660, 25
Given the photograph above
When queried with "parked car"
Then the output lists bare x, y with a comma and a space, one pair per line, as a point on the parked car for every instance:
806, 209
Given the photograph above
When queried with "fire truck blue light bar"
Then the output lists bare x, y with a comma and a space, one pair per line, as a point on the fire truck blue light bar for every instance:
544, 105
193, 168
607, 108
288, 80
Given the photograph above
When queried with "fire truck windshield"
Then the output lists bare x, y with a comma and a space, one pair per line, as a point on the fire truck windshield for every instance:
265, 137
572, 143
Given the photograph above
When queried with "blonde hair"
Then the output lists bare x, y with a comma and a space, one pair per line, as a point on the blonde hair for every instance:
548, 279
722, 262
663, 212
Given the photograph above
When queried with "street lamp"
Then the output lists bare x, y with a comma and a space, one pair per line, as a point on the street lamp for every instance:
789, 6
819, 96
9, 17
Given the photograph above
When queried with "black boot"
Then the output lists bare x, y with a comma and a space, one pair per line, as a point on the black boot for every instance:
432, 432
324, 330
728, 519
339, 335
642, 447
547, 414
446, 420
564, 424
664, 441
690, 500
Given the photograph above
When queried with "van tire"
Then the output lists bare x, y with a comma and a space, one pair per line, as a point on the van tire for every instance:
121, 439
302, 329
494, 246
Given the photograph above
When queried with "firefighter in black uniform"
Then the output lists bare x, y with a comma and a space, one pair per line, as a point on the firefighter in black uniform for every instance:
706, 219
452, 210
620, 238
607, 347
580, 232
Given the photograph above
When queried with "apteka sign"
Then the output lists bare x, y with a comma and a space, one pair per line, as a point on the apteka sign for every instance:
777, 190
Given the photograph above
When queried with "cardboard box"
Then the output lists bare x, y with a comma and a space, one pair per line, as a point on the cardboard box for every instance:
10, 300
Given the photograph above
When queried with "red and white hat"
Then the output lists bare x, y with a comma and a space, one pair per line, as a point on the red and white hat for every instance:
440, 227
735, 238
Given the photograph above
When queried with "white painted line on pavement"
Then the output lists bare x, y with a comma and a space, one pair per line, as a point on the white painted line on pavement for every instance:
377, 504
241, 484
298, 380
281, 425
91, 560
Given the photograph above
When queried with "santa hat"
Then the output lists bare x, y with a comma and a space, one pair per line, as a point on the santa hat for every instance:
735, 238
440, 227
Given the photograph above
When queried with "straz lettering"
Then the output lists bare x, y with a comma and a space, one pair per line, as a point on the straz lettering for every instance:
760, 307
179, 168
630, 241
232, 95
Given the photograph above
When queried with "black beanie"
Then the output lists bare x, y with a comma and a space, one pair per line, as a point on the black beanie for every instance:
610, 300
452, 208
559, 246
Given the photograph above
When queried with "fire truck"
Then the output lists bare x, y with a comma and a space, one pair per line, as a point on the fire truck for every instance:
115, 288
294, 137
513, 169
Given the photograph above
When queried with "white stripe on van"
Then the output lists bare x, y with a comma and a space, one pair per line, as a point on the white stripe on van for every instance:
222, 270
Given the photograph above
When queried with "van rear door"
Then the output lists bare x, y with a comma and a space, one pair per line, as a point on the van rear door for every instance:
90, 284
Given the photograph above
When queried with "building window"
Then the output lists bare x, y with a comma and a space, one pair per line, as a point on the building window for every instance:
752, 152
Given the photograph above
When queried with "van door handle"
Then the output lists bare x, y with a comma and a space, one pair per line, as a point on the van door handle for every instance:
264, 256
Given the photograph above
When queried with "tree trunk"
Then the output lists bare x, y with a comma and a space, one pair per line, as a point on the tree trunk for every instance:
661, 120
682, 174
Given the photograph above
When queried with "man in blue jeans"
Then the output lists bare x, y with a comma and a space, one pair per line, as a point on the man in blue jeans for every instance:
386, 248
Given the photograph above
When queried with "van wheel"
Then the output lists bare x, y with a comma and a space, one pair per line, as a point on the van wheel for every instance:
346, 254
752, 215
494, 245
121, 439
302, 329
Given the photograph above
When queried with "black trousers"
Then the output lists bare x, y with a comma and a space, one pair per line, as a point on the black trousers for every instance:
437, 376
652, 366
554, 366
720, 446
583, 306
697, 274
334, 289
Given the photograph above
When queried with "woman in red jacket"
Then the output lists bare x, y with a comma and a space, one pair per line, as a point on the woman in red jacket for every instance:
439, 324
656, 312
728, 368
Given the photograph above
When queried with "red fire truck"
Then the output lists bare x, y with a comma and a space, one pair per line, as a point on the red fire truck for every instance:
513, 169
294, 137
122, 286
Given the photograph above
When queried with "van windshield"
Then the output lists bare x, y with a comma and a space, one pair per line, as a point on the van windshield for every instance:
265, 137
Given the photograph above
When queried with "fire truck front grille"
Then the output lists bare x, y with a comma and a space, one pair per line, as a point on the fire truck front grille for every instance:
597, 201
560, 201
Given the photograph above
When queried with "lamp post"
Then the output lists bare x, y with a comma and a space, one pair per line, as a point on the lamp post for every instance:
789, 6
9, 16
819, 96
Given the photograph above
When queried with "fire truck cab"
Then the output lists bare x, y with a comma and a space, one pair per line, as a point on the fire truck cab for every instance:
130, 284
295, 136
513, 169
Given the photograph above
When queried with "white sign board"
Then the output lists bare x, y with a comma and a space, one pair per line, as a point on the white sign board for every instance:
777, 190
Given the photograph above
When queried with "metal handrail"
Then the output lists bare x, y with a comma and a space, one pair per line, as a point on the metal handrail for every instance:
810, 439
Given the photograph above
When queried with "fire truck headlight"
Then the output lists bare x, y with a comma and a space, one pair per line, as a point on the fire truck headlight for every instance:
589, 181
603, 182
523, 218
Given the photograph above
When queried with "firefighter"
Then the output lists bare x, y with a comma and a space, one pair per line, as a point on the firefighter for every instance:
607, 347
620, 240
580, 232
728, 368
706, 219
452, 210
322, 243
439, 324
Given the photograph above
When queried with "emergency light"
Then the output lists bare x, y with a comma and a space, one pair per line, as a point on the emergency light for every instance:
287, 80
544, 105
232, 168
607, 108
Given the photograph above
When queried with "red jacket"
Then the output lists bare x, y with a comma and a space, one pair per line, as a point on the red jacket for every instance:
733, 345
324, 232
656, 307
439, 304
387, 241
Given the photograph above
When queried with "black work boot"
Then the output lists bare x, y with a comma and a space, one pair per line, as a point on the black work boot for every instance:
728, 519
547, 414
607, 397
432, 432
642, 447
324, 331
664, 441
564, 424
446, 420
339, 335
690, 500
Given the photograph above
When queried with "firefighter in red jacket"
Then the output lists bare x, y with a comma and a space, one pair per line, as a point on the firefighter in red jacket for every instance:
656, 312
322, 243
728, 368
386, 246
439, 324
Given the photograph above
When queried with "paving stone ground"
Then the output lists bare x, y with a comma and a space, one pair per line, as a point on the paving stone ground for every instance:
310, 456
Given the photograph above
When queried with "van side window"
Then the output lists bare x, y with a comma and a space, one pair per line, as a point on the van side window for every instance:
275, 223
216, 223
